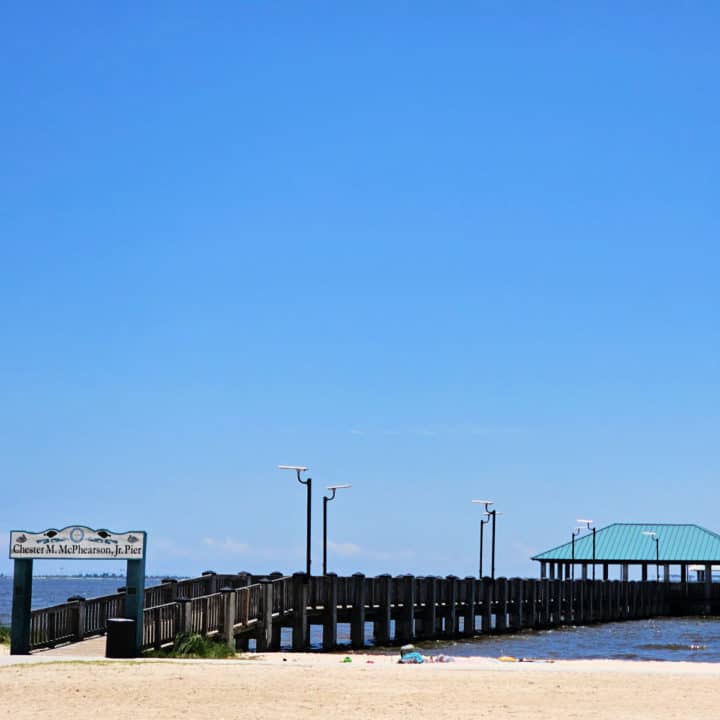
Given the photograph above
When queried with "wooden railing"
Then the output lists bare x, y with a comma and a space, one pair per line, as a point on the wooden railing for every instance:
239, 607
79, 618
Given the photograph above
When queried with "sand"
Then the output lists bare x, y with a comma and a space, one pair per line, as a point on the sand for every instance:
290, 685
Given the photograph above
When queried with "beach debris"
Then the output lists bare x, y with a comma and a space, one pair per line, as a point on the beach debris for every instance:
410, 656
507, 658
346, 659
440, 659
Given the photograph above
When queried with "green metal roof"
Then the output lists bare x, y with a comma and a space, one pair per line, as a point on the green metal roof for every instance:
625, 542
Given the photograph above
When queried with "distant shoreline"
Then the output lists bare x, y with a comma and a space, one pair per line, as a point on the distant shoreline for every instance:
98, 577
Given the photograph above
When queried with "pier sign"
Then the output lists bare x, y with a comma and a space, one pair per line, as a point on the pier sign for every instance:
77, 542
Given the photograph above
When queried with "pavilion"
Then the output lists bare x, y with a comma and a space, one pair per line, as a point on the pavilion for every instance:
626, 545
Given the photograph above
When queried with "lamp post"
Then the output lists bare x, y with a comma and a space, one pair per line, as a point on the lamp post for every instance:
491, 514
655, 537
326, 500
575, 532
590, 526
483, 523
308, 483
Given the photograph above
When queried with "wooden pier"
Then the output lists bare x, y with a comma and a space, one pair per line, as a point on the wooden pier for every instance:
246, 610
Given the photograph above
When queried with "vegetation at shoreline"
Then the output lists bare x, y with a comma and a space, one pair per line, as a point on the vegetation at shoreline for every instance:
194, 646
4, 634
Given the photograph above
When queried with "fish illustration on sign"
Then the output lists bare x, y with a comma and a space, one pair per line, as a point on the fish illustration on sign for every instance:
50, 536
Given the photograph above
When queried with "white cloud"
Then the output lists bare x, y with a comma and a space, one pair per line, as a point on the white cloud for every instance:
344, 549
228, 545
170, 547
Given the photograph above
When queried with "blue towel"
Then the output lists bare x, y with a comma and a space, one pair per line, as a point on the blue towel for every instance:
412, 658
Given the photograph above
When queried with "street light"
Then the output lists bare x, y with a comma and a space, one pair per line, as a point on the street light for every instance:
655, 537
590, 526
308, 483
482, 526
575, 532
492, 513
326, 500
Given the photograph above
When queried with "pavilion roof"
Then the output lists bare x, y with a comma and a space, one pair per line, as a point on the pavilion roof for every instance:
633, 542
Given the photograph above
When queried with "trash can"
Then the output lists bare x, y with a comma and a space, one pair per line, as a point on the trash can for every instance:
120, 638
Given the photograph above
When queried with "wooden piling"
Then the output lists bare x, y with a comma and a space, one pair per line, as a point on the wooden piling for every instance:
228, 630
357, 623
264, 636
501, 604
405, 623
451, 614
330, 612
300, 639
383, 612
469, 589
430, 616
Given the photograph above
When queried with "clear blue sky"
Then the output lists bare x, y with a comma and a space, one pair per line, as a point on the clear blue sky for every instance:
440, 251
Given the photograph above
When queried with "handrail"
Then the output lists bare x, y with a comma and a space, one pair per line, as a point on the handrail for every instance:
245, 606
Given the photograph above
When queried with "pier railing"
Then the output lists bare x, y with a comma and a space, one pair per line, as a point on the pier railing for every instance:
79, 618
241, 608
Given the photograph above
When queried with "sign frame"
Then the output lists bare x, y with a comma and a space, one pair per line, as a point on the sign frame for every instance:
75, 542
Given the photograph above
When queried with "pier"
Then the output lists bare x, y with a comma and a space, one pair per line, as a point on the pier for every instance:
250, 611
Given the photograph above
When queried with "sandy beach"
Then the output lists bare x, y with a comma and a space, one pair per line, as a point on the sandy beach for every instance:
291, 685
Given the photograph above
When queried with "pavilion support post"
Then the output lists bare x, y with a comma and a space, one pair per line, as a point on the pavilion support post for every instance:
543, 570
708, 588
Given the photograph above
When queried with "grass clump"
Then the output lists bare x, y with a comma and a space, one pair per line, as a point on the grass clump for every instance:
4, 635
195, 646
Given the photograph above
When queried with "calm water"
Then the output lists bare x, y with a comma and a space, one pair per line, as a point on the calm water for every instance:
693, 639
678, 639
56, 590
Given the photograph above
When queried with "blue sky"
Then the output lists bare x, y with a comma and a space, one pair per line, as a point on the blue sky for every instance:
438, 251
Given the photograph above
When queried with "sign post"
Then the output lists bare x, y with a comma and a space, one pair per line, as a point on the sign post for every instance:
75, 542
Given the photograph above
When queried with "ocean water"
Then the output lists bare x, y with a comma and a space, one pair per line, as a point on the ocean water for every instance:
677, 639
56, 590
681, 639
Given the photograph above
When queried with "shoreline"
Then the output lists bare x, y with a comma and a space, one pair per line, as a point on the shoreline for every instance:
311, 686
